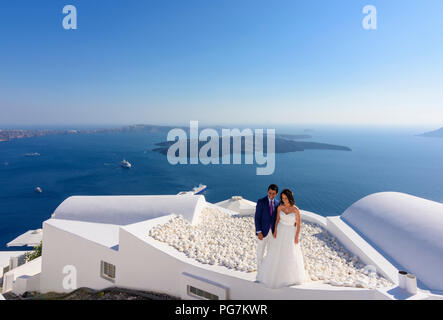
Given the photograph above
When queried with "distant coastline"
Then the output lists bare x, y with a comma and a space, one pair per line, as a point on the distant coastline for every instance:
433, 134
8, 135
11, 134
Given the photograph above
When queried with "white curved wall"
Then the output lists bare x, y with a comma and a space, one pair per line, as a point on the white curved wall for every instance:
124, 210
407, 228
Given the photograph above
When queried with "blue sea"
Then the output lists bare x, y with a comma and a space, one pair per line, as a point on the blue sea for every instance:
323, 181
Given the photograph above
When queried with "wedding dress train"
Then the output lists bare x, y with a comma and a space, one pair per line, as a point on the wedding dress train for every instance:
283, 265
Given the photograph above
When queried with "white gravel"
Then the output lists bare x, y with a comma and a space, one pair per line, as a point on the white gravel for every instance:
230, 241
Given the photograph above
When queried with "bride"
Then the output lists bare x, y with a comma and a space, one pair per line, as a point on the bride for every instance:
284, 264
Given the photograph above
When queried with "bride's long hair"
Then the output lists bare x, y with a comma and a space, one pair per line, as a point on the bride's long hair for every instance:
289, 195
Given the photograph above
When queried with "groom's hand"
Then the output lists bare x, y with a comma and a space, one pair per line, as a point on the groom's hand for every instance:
260, 235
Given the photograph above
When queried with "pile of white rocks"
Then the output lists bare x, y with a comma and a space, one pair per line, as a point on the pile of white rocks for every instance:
230, 241
327, 260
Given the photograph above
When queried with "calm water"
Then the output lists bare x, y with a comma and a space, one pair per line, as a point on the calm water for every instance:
325, 182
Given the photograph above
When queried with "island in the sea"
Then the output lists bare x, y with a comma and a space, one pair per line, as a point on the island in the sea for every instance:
433, 134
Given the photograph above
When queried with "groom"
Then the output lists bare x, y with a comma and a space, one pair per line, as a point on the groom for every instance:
265, 215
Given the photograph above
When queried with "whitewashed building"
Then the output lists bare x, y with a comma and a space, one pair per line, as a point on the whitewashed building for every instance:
103, 241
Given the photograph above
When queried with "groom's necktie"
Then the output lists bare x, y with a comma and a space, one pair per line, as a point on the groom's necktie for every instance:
271, 207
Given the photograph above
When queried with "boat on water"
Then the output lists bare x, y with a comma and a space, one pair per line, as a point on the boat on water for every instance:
32, 154
195, 190
125, 164
38, 190
199, 189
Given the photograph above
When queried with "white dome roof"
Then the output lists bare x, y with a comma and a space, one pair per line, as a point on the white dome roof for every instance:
238, 204
124, 210
406, 228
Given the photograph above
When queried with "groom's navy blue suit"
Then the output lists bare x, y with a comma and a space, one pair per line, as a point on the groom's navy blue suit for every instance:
263, 218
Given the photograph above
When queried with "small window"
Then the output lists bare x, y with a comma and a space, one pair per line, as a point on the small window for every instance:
107, 271
193, 291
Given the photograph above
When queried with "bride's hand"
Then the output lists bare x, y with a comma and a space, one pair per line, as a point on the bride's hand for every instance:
296, 241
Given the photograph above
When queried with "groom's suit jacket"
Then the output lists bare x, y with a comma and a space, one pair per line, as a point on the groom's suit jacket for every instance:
263, 218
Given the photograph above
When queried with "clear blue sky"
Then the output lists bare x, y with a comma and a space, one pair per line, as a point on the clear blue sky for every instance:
242, 61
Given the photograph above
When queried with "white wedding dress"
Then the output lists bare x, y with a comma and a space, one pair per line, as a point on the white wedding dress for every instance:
283, 265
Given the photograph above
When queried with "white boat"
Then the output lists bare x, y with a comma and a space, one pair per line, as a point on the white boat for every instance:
32, 154
125, 164
199, 189
195, 190
38, 190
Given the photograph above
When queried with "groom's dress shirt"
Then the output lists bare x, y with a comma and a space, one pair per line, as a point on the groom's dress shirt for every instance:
271, 206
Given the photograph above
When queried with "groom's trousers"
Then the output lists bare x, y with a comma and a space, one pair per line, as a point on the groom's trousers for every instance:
262, 245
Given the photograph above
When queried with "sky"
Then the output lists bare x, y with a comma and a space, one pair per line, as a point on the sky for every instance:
221, 61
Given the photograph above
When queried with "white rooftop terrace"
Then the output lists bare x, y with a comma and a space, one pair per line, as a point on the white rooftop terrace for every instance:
5, 256
386, 222
247, 280
101, 233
